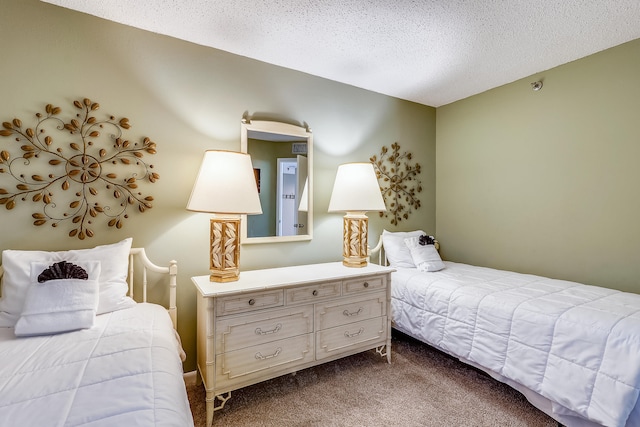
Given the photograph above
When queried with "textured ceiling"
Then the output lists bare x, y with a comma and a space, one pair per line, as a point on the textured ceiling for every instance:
429, 51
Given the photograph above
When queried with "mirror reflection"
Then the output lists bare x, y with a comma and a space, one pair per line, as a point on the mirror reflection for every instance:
281, 155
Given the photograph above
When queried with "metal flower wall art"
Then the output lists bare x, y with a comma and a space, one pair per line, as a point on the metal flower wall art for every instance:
399, 182
75, 171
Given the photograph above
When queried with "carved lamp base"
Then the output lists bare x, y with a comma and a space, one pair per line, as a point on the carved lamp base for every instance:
224, 261
355, 249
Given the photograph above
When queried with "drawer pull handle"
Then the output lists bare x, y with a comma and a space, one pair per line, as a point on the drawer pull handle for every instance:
366, 284
355, 334
252, 301
259, 355
315, 293
259, 331
355, 313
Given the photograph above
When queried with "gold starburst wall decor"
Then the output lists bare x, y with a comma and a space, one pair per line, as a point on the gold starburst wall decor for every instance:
399, 182
77, 171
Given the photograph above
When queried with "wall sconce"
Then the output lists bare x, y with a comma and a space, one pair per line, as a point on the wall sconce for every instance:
356, 191
226, 187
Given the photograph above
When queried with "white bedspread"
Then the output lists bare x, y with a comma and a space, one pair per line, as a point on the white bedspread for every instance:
125, 371
577, 345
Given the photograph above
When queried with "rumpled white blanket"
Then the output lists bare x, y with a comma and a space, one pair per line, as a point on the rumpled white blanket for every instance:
124, 371
577, 345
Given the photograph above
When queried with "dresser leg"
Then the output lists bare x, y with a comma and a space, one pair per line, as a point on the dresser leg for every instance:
385, 350
389, 348
211, 404
211, 400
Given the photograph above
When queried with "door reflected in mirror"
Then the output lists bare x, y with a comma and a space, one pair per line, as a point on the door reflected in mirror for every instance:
281, 154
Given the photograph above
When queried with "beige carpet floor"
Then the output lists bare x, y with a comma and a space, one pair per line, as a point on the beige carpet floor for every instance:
421, 387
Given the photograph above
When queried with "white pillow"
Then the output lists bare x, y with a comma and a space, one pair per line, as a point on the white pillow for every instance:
114, 263
397, 252
426, 258
114, 266
59, 305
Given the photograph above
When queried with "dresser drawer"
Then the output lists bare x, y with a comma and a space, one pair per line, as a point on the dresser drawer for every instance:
334, 341
258, 362
313, 293
365, 284
342, 339
248, 330
348, 310
248, 302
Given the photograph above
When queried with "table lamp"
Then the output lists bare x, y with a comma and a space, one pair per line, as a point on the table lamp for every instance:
356, 191
226, 187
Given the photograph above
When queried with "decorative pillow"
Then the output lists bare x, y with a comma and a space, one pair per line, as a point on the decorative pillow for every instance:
57, 300
397, 252
61, 270
114, 262
424, 253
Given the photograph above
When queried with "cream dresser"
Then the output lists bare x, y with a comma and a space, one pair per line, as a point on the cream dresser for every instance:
276, 321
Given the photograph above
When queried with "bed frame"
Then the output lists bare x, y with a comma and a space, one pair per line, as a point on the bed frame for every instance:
534, 398
147, 265
164, 400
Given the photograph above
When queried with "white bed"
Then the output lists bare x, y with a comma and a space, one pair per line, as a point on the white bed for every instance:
573, 350
123, 370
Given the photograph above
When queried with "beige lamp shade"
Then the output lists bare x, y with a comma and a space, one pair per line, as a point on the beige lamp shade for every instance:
356, 189
225, 185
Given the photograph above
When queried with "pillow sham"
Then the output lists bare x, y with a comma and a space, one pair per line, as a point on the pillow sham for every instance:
114, 263
425, 257
59, 305
395, 249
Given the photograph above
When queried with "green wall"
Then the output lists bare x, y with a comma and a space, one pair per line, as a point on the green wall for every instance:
540, 182
547, 182
188, 98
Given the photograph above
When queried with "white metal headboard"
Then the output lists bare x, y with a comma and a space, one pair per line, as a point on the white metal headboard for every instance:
379, 248
147, 265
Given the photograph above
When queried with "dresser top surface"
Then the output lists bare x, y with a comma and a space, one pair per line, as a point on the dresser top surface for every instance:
255, 280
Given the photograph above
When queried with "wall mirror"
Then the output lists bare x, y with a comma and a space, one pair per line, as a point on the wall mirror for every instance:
282, 157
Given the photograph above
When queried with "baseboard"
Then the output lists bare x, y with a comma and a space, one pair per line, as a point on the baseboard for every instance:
190, 378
